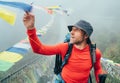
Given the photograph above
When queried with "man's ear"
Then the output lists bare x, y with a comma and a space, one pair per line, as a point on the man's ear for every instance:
86, 36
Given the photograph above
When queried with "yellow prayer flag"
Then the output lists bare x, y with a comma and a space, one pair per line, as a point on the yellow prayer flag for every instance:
8, 16
53, 7
10, 56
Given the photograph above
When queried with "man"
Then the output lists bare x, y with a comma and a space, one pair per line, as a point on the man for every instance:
78, 68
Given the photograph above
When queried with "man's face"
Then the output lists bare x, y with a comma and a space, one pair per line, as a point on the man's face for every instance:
77, 36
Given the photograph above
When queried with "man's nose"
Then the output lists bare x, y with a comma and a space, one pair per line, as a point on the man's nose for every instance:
72, 32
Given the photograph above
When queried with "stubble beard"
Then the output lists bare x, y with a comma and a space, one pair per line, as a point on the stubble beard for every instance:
78, 42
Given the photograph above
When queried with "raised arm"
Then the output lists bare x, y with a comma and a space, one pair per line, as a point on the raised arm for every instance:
37, 46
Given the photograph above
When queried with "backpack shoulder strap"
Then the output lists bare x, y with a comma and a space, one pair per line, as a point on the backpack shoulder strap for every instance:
58, 61
93, 53
68, 53
93, 58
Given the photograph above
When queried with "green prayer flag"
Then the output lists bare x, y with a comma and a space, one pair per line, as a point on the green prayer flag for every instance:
4, 65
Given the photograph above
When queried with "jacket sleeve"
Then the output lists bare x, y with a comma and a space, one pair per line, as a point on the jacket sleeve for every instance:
97, 66
40, 48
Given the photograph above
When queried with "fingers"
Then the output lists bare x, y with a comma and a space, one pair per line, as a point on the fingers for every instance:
26, 16
28, 20
26, 12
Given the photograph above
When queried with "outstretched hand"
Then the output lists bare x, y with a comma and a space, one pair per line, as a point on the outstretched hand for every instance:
29, 20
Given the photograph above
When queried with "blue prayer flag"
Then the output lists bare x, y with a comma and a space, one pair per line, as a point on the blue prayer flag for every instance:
20, 5
17, 50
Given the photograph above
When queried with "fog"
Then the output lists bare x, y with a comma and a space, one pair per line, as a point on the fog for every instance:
102, 14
